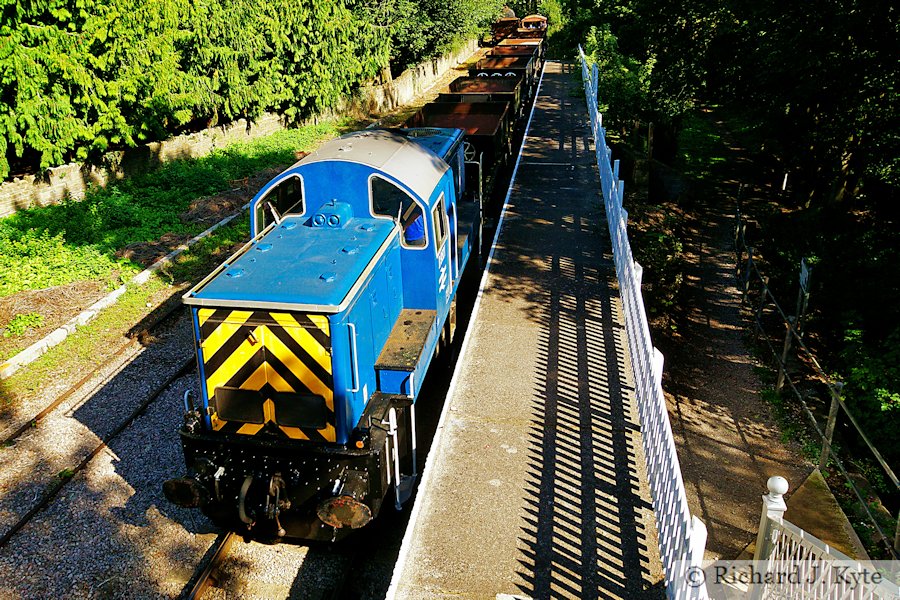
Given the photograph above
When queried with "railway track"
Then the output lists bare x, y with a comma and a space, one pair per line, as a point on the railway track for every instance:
45, 498
113, 357
206, 573
213, 571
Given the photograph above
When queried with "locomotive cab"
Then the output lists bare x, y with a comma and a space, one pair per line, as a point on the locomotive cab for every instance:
313, 340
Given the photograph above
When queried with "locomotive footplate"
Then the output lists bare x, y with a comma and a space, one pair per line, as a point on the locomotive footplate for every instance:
274, 489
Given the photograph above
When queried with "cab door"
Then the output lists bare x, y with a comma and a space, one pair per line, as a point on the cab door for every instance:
443, 250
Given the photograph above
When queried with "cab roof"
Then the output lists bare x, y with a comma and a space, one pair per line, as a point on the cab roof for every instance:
395, 153
297, 266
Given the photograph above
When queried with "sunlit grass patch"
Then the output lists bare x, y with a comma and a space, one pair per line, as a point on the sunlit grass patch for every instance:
74, 241
700, 148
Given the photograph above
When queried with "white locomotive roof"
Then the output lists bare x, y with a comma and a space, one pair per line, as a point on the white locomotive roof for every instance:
390, 152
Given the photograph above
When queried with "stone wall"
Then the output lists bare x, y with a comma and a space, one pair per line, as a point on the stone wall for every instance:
73, 179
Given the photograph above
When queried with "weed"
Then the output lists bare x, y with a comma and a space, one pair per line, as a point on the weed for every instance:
764, 374
22, 323
191, 265
791, 422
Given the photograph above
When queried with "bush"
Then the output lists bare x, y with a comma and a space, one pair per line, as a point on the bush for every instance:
77, 78
872, 387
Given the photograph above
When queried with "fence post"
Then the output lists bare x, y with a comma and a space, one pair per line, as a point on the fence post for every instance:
763, 292
747, 272
802, 296
773, 507
897, 533
835, 390
782, 364
738, 246
696, 548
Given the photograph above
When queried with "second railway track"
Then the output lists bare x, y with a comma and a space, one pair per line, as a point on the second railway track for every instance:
43, 454
45, 498
109, 362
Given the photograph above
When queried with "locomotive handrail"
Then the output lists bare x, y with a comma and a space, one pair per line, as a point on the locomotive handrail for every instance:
354, 360
681, 537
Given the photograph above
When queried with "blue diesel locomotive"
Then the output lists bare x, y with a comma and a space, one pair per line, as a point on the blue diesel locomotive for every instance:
313, 340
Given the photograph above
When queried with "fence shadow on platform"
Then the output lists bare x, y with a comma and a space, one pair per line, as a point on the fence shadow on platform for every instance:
583, 535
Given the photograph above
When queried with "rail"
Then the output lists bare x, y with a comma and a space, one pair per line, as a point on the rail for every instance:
682, 538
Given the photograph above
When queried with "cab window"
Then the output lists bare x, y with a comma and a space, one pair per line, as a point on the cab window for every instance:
388, 200
439, 217
286, 198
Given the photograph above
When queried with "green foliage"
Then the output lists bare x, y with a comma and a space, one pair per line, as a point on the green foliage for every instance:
700, 148
796, 79
33, 258
871, 372
623, 90
72, 241
793, 424
660, 252
423, 30
78, 78
210, 251
22, 323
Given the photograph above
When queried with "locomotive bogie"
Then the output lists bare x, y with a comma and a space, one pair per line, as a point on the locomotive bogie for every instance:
271, 489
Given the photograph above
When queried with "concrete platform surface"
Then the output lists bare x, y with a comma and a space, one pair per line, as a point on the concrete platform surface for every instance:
534, 487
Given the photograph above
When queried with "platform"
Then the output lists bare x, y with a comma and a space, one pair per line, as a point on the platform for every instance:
534, 487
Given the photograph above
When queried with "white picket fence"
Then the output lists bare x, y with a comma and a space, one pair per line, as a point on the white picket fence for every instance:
682, 538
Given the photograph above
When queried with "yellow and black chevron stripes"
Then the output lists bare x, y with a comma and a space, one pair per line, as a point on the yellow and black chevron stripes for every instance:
273, 353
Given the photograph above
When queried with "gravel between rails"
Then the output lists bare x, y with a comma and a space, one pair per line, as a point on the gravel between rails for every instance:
110, 533
36, 462
358, 567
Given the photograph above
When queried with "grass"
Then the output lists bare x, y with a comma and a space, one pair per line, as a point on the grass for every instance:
793, 425
700, 148
208, 252
73, 241
79, 352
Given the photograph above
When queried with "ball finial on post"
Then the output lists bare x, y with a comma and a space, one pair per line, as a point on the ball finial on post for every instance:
778, 486
773, 502
773, 507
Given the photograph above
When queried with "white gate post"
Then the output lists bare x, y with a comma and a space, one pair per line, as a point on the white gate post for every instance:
773, 507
